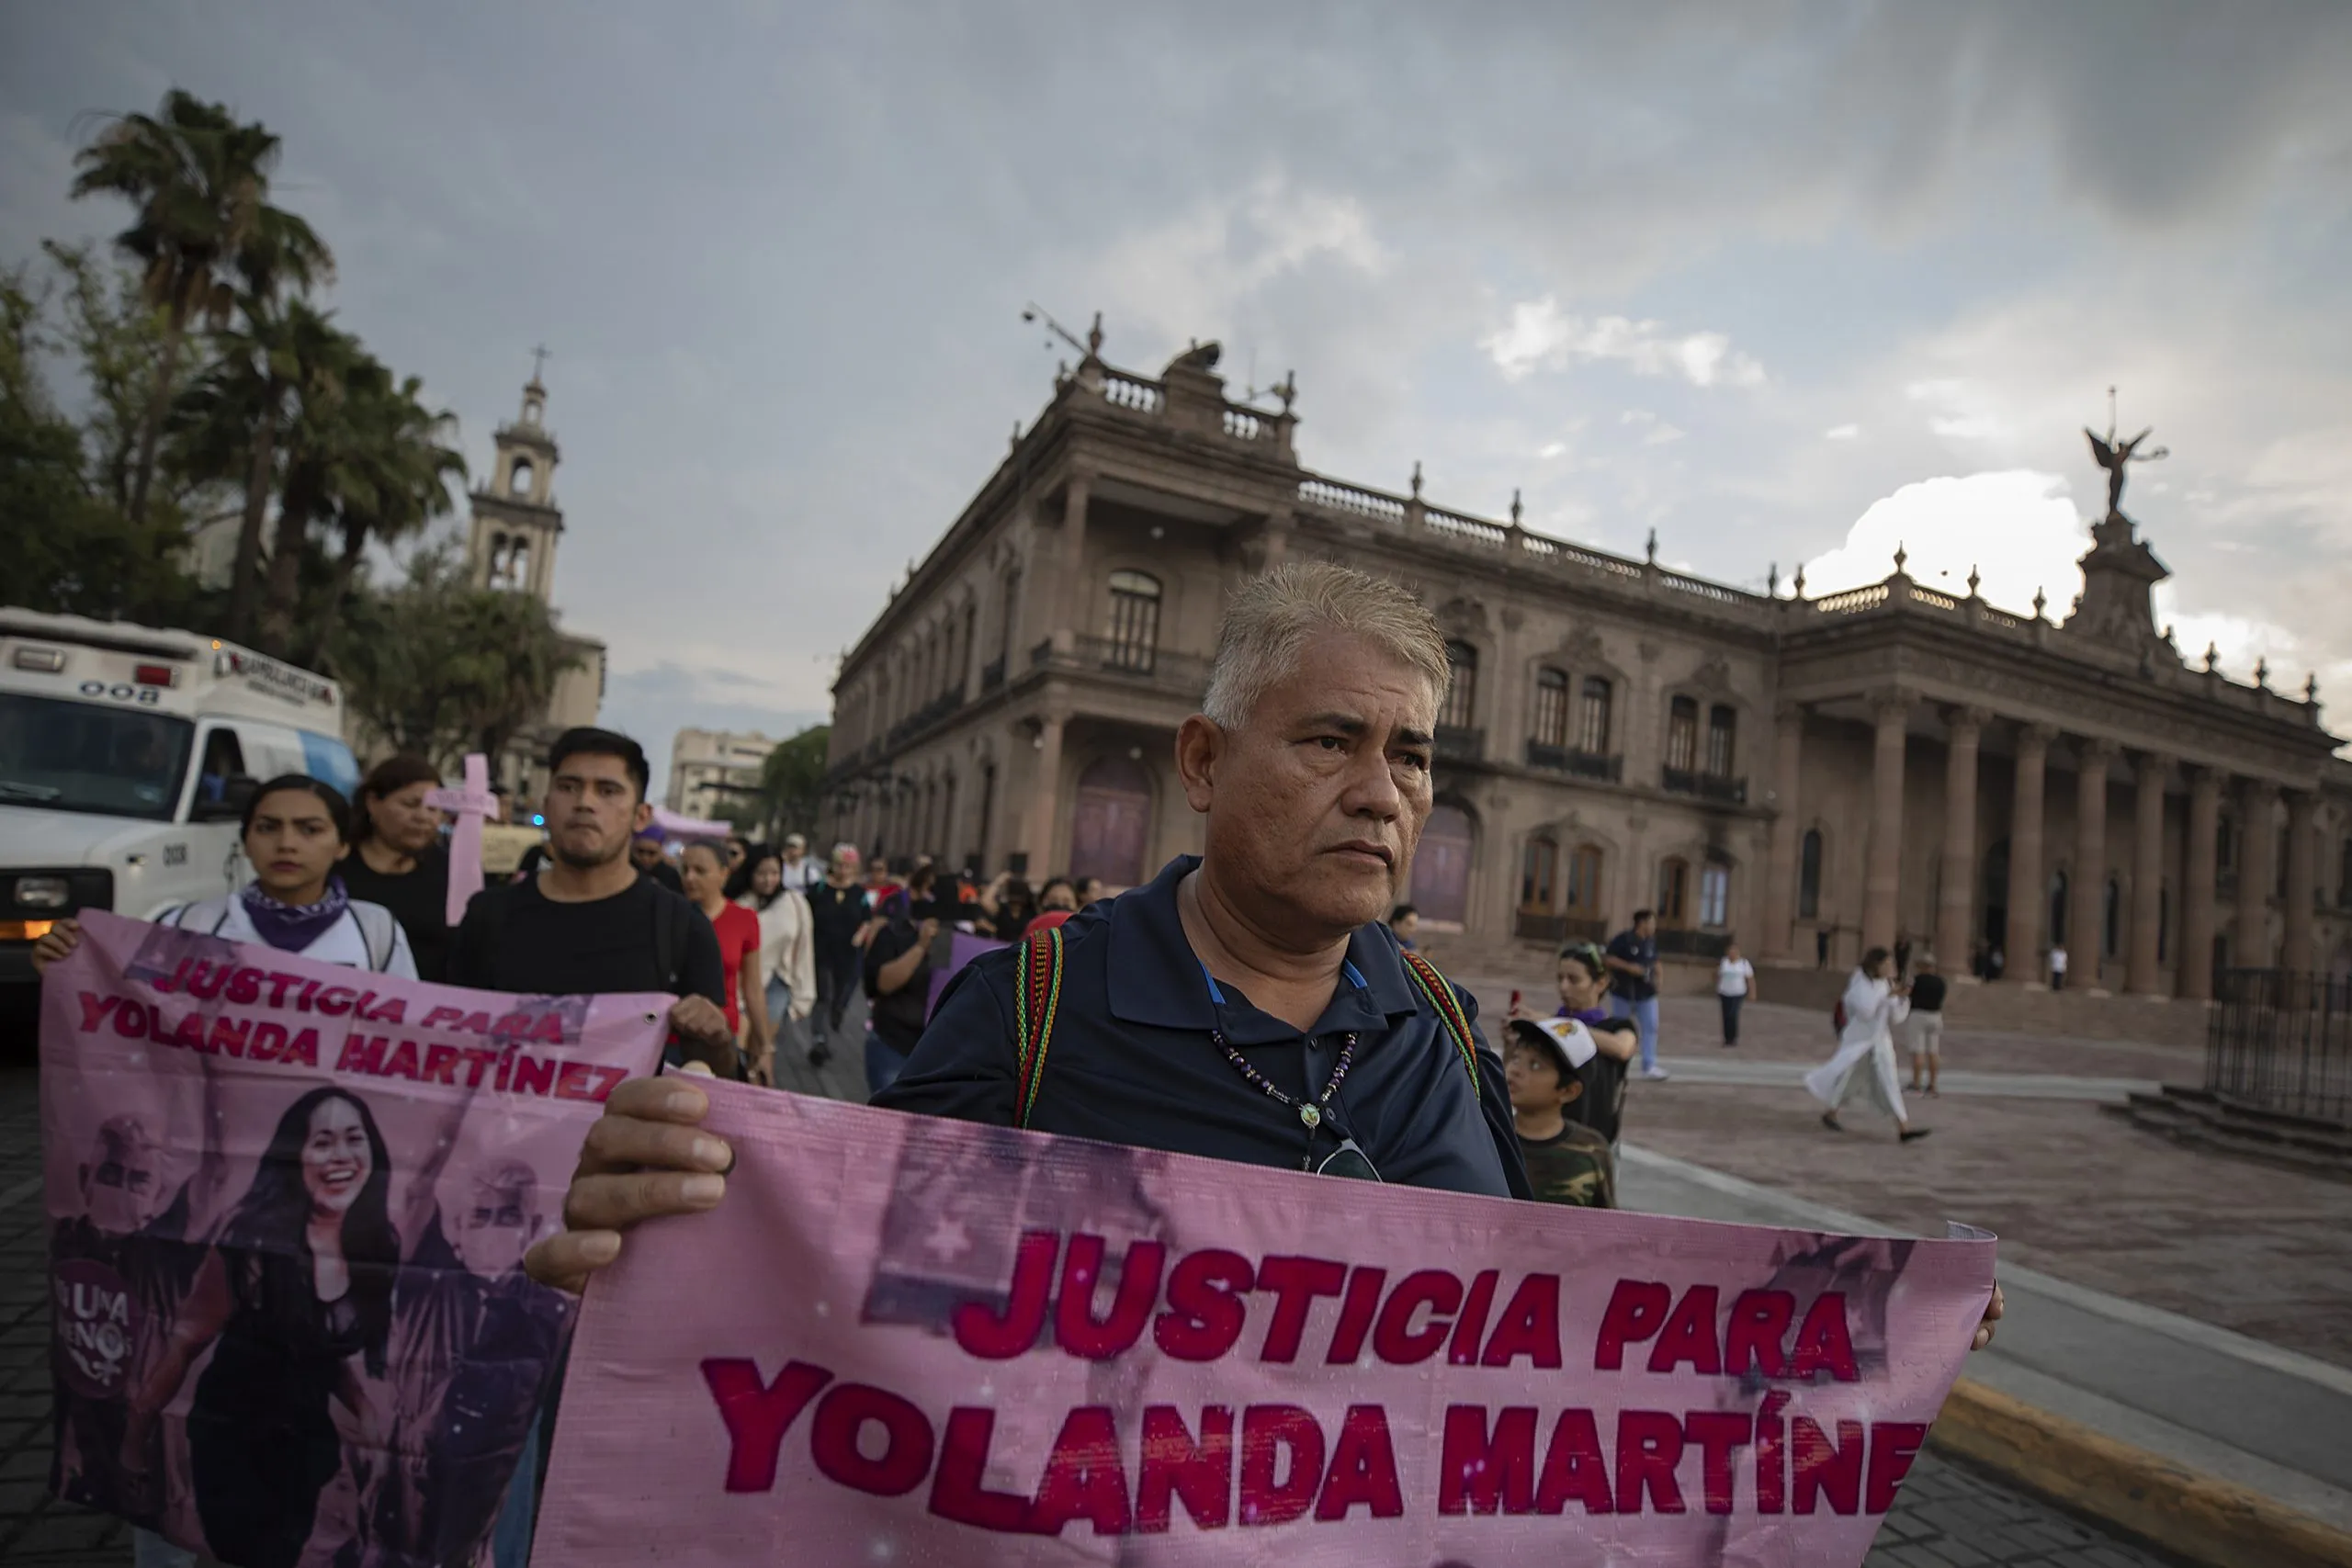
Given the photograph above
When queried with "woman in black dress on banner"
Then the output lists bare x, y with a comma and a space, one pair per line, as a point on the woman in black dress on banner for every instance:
296, 1301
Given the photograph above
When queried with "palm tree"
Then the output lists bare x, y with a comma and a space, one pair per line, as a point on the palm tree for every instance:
200, 182
393, 482
331, 379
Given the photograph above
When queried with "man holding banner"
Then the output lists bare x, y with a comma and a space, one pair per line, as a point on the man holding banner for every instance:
946, 1341
1222, 1008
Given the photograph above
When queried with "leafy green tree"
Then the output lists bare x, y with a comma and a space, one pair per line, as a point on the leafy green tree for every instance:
439, 667
200, 181
791, 787
68, 545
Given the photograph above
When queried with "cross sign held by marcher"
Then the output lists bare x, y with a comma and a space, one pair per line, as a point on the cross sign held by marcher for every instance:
472, 805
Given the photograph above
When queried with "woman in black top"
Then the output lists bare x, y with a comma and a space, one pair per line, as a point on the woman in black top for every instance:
397, 860
295, 1300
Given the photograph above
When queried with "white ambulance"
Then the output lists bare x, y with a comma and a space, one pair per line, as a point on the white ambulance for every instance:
127, 756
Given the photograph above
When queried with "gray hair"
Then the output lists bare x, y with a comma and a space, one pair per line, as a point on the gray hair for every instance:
1273, 615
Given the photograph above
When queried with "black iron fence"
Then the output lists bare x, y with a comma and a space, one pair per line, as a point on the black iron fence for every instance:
2282, 1042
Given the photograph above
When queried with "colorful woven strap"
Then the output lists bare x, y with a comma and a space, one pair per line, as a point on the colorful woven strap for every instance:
1448, 1009
1037, 998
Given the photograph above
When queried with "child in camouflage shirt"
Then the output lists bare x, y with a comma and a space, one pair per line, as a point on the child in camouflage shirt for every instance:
1568, 1162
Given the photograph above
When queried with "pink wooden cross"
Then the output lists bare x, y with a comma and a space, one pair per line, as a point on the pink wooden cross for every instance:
471, 805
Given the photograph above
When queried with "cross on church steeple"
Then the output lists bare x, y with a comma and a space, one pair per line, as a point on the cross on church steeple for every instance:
540, 355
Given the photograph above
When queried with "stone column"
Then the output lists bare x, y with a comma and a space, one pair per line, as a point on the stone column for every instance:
2086, 922
2303, 857
1788, 829
2146, 977
2027, 892
2258, 875
1037, 830
1882, 866
2196, 963
1955, 899
1074, 617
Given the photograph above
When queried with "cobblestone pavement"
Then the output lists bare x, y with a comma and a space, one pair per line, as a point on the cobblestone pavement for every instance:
1945, 1516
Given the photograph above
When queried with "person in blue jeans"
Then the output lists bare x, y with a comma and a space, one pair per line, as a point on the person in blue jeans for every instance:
1633, 983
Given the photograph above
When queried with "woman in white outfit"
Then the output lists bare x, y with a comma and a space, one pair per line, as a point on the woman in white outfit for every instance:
787, 941
1865, 1059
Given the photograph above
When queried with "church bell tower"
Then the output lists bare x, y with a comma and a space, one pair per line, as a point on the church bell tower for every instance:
516, 521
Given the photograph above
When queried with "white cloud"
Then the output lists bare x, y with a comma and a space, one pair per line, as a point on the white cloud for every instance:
1541, 336
1662, 435
1842, 433
2016, 529
1553, 449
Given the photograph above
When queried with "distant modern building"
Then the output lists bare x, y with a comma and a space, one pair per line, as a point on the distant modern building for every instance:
516, 525
1814, 774
712, 768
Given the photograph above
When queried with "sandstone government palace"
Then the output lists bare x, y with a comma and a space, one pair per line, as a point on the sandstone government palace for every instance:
1890, 763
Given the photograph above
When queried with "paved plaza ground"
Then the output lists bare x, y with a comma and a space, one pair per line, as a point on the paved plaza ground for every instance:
2070, 1190
2073, 1192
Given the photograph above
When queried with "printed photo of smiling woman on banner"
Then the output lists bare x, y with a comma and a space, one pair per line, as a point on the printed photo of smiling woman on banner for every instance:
288, 1207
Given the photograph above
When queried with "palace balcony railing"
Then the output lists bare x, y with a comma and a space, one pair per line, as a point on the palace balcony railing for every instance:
993, 674
1460, 743
1681, 942
1541, 925
2281, 1042
924, 718
1182, 674
1574, 763
1715, 787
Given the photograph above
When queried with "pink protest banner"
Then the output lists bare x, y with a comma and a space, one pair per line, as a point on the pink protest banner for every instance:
917, 1341
288, 1203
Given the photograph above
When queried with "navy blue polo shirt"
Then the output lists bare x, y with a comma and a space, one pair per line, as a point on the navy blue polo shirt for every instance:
1131, 1060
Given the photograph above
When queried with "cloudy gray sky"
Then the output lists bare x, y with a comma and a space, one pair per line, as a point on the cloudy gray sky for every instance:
1782, 281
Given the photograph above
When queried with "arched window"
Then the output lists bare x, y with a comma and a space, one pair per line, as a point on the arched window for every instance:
1809, 875
2286, 853
1583, 883
1714, 895
2111, 920
2058, 909
971, 635
518, 563
1682, 735
1462, 689
1539, 876
1592, 716
1550, 707
1723, 725
518, 479
1135, 621
1674, 892
2225, 847
1442, 866
1110, 820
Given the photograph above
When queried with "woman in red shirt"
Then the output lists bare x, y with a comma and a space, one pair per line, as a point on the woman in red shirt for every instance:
703, 870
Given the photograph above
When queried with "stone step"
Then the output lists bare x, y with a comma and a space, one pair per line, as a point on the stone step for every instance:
2168, 1116
2252, 1120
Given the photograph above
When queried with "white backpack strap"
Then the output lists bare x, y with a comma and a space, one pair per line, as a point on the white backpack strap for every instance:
376, 932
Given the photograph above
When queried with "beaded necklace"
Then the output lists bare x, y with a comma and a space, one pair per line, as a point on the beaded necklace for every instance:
1310, 1114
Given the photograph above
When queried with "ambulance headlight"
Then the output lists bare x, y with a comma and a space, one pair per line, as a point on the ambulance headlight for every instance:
41, 892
